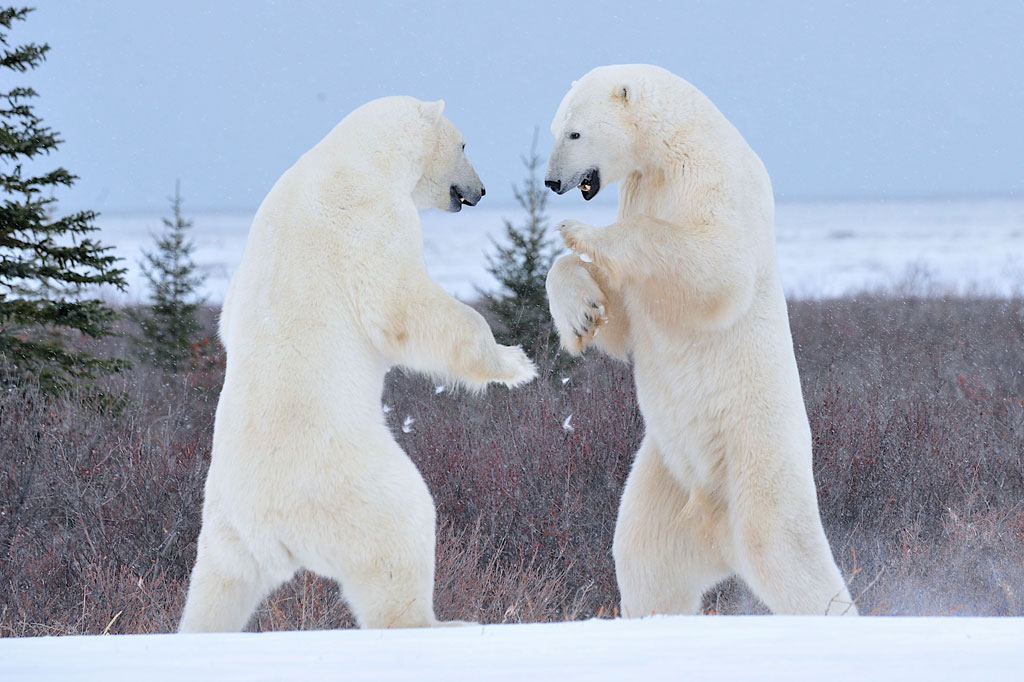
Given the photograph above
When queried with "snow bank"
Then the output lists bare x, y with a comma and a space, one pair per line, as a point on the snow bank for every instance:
663, 648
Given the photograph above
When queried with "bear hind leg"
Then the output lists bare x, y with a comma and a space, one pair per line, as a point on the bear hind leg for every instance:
666, 552
787, 562
226, 583
386, 565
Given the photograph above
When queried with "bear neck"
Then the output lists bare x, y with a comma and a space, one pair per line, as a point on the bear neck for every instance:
695, 154
386, 161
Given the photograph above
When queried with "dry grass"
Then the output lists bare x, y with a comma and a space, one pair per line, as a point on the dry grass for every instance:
916, 406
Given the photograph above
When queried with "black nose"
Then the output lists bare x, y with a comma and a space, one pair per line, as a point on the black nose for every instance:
483, 191
553, 184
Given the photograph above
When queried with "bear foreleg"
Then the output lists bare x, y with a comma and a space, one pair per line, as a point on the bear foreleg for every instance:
434, 333
708, 271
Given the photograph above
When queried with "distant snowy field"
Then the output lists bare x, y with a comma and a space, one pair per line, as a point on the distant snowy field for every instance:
825, 248
662, 648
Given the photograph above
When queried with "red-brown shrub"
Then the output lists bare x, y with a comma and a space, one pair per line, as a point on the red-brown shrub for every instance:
915, 405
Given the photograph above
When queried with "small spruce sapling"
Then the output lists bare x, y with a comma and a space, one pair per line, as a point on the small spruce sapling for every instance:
520, 265
169, 325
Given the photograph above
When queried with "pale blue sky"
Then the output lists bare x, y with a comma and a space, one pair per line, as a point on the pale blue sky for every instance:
867, 98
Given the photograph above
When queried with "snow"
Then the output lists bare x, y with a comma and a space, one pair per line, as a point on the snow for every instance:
660, 648
831, 248
824, 248
407, 424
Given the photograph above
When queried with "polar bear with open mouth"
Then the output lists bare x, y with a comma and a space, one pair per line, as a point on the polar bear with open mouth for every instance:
685, 284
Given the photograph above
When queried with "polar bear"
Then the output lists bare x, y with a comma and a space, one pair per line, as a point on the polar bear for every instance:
685, 283
330, 293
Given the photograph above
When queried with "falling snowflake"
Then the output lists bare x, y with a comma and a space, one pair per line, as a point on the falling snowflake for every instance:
439, 389
565, 380
567, 424
407, 425
585, 258
386, 408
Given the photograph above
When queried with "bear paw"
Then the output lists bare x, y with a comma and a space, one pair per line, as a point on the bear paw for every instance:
578, 236
514, 367
577, 306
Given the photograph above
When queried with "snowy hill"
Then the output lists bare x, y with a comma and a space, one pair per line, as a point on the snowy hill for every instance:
664, 648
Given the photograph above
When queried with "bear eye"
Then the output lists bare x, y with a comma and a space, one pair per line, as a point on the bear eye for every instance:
574, 136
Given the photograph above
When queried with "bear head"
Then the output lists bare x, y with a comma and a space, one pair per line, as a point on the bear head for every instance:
449, 180
597, 126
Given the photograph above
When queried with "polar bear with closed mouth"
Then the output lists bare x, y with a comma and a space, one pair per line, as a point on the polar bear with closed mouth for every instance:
685, 284
331, 292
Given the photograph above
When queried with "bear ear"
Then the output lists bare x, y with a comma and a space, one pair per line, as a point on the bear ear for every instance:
431, 111
625, 93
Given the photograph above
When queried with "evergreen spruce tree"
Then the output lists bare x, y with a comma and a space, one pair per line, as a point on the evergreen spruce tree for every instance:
521, 267
47, 263
169, 327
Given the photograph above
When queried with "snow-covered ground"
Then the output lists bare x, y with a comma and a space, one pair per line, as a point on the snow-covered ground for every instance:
824, 248
663, 648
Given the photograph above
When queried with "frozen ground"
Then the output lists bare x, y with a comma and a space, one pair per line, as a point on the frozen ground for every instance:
824, 248
665, 648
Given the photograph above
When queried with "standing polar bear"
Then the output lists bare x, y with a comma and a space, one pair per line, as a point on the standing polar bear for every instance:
331, 292
685, 283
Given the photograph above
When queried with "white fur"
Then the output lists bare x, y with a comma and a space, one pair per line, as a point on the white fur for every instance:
688, 285
331, 292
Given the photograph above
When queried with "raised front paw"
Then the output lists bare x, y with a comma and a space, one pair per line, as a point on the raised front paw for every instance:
514, 367
578, 236
577, 303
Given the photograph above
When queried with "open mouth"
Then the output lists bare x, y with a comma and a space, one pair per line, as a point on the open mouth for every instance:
590, 185
457, 200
